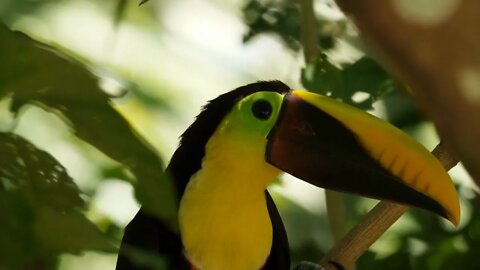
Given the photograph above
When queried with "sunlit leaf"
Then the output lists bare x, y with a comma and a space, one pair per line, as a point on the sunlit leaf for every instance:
44, 77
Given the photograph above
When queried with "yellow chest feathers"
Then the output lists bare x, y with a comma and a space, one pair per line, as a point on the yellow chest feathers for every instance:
223, 216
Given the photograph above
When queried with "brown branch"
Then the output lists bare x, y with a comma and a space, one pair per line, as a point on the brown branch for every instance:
375, 223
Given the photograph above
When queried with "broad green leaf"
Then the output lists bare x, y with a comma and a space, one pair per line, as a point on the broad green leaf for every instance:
42, 76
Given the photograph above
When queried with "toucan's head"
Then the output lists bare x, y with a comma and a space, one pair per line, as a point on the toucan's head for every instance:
325, 143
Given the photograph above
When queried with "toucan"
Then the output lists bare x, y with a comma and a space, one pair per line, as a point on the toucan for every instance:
242, 140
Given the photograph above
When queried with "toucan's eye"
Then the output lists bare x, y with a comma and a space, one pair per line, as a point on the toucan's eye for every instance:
262, 109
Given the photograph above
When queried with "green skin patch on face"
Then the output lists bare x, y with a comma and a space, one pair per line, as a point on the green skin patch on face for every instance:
242, 118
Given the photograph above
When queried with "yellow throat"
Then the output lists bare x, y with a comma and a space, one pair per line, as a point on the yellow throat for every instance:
223, 216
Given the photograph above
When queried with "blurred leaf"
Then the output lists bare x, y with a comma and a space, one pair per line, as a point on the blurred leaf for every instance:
68, 232
282, 18
44, 77
364, 76
148, 100
39, 208
117, 172
277, 17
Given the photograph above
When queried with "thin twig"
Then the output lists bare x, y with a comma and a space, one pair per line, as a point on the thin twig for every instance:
375, 223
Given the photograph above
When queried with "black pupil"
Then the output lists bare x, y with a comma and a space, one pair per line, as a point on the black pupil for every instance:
262, 109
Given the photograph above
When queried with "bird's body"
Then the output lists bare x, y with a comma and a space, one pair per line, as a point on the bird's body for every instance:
241, 141
219, 228
219, 232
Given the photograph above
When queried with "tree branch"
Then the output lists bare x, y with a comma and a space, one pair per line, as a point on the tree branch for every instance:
375, 223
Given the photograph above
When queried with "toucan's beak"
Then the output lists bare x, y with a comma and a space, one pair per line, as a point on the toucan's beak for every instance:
335, 146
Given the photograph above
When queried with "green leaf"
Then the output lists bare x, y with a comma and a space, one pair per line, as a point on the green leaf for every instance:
46, 78
363, 76
35, 173
40, 208
366, 75
323, 77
